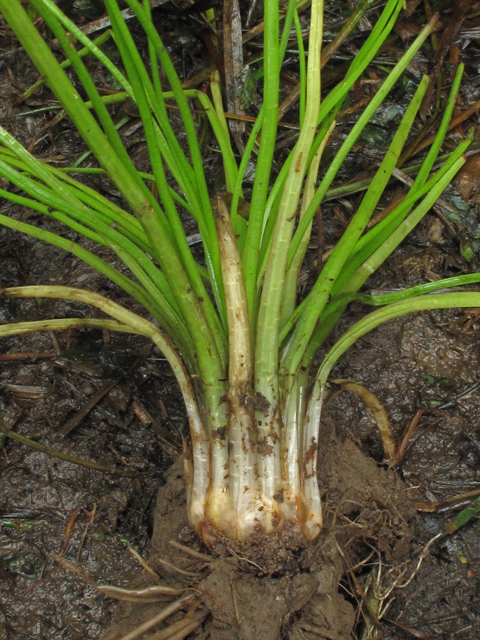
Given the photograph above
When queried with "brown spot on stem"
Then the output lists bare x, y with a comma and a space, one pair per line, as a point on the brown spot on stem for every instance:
310, 453
261, 404
299, 162
264, 448
279, 496
220, 433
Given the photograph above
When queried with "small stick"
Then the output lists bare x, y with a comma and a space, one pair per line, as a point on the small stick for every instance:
103, 23
405, 438
189, 551
432, 507
148, 594
92, 518
80, 572
108, 415
68, 531
227, 114
400, 175
146, 419
64, 456
453, 124
94, 400
30, 355
410, 630
461, 395
87, 407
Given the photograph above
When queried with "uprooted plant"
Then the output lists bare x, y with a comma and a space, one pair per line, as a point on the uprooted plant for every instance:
238, 341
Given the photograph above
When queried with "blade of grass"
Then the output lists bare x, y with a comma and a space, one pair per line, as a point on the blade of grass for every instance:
123, 222
434, 150
302, 65
373, 320
265, 154
323, 286
62, 173
65, 64
389, 224
135, 324
394, 239
252, 139
54, 453
291, 281
147, 294
395, 310
426, 166
137, 75
382, 92
369, 50
271, 209
380, 255
150, 215
329, 50
382, 299
213, 260
92, 92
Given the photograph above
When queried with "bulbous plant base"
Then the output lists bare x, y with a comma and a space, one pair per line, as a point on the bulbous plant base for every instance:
279, 586
290, 517
284, 552
253, 588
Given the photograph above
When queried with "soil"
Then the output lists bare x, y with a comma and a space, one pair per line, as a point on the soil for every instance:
383, 553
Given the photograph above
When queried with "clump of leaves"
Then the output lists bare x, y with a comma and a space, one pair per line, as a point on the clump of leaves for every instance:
238, 341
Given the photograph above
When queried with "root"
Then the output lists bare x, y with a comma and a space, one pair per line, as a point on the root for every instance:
149, 595
171, 567
189, 551
181, 629
159, 617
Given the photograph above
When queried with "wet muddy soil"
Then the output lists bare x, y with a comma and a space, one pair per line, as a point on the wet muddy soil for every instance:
384, 552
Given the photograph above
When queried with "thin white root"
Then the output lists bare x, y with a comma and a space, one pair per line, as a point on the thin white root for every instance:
142, 596
156, 593
162, 615
189, 551
143, 563
181, 629
171, 567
